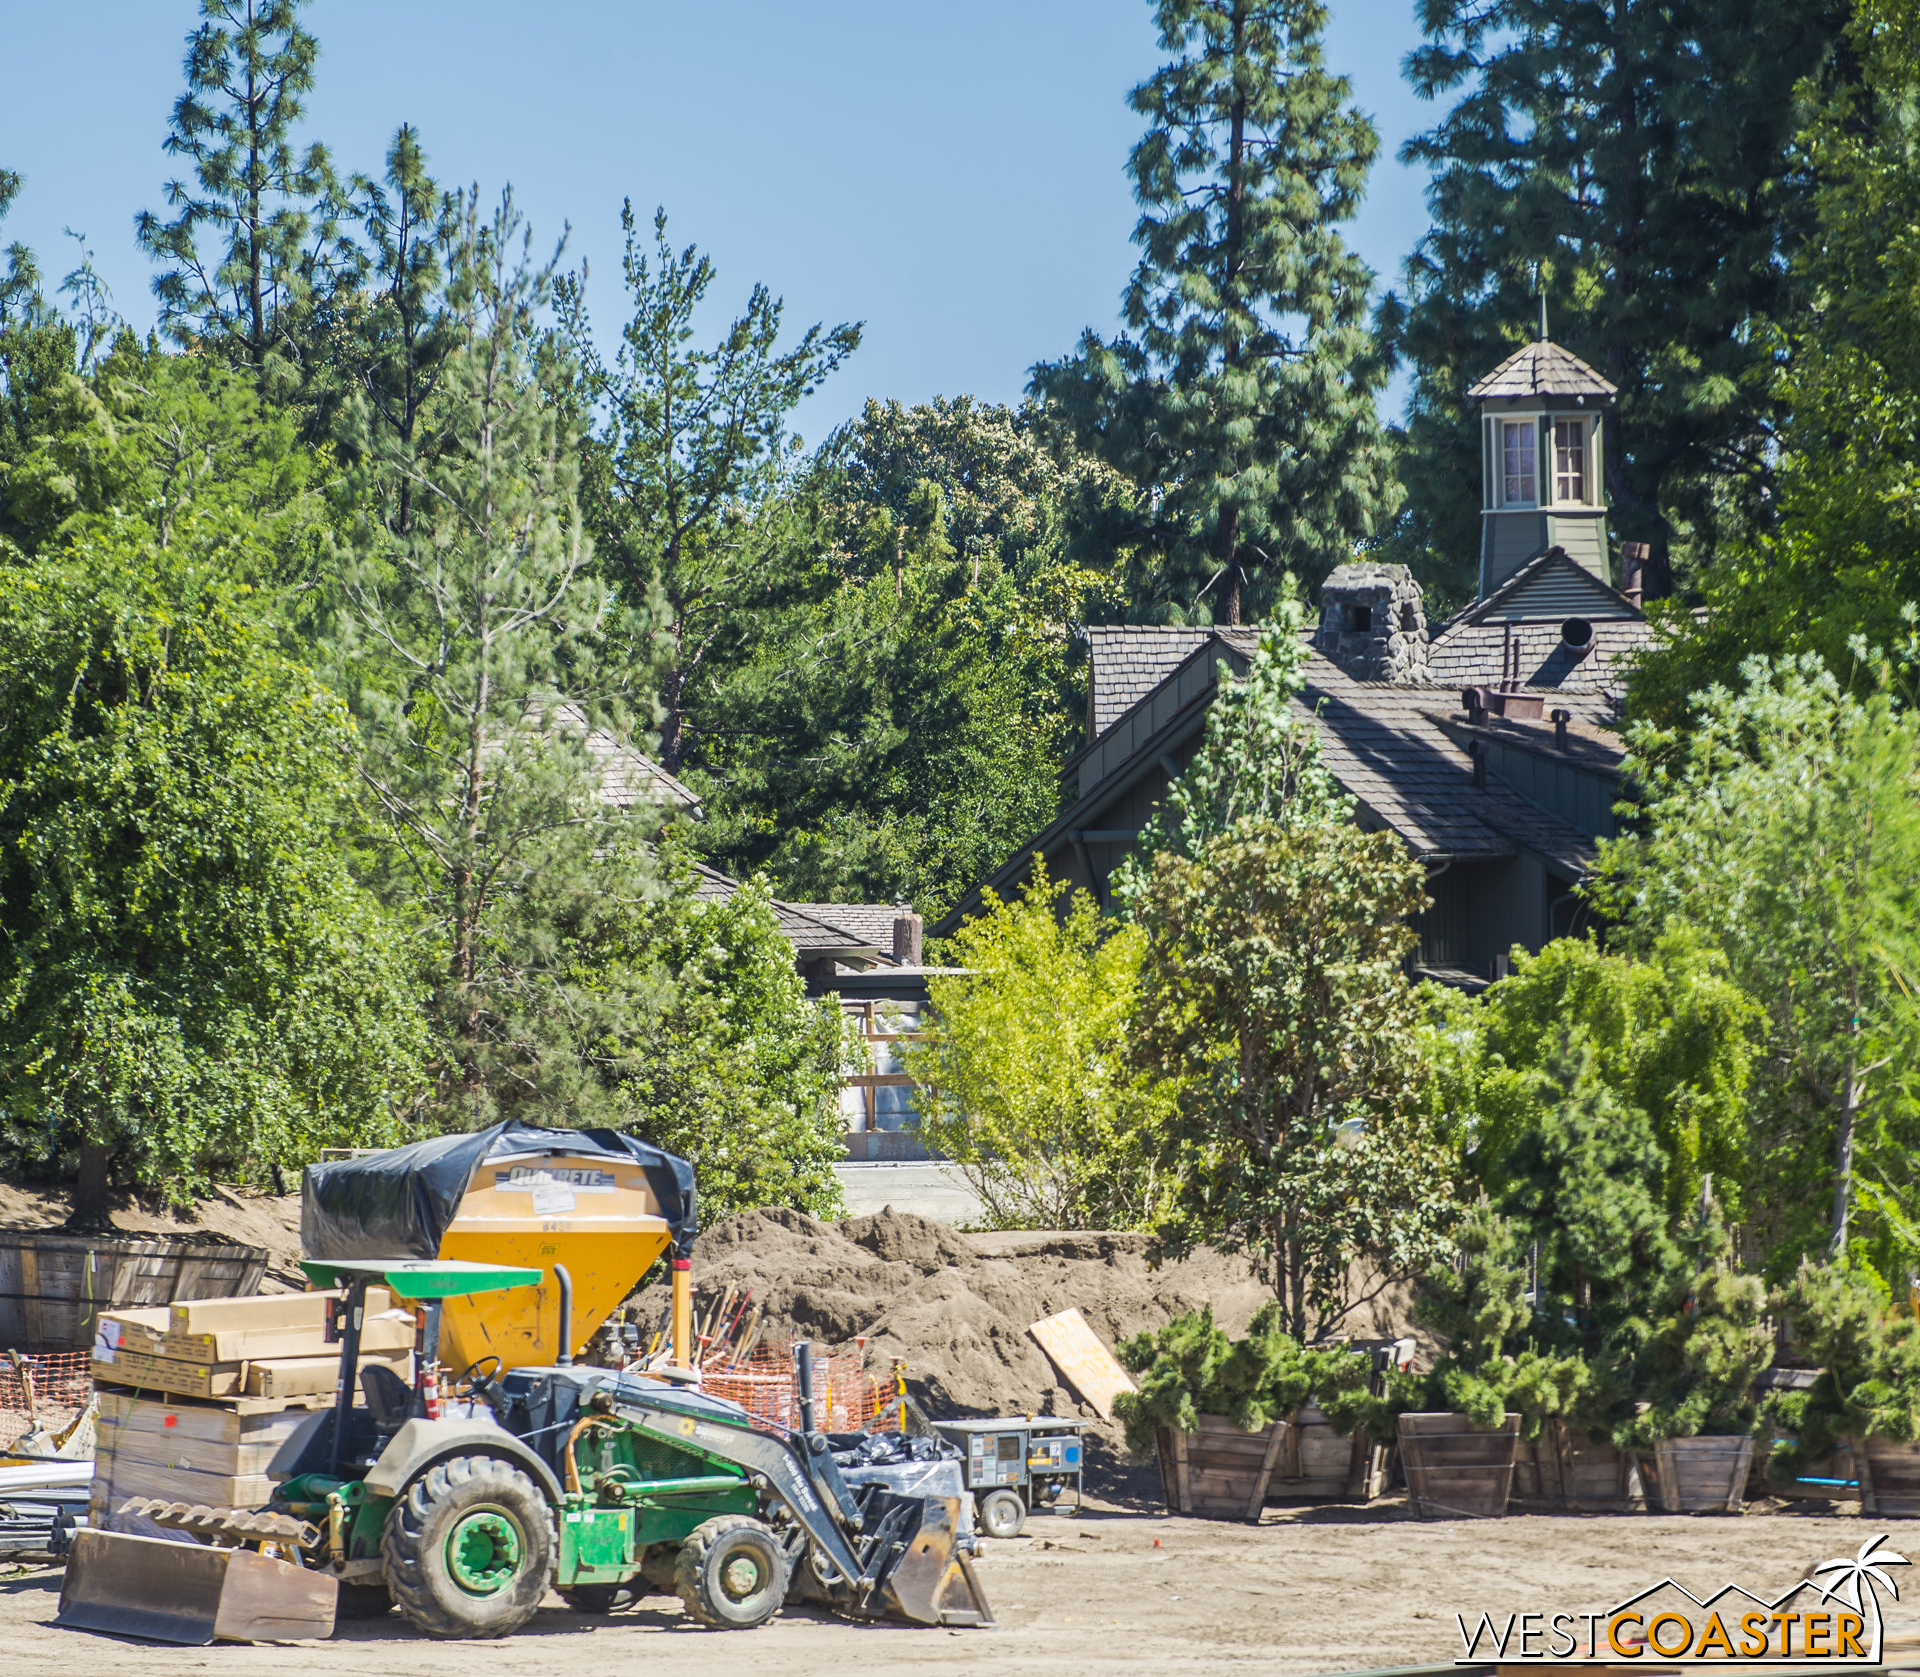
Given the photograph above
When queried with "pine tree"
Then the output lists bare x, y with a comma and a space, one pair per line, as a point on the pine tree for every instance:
691, 471
476, 650
1633, 164
254, 234
1243, 407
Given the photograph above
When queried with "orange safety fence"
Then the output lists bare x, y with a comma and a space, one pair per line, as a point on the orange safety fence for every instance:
848, 1397
50, 1389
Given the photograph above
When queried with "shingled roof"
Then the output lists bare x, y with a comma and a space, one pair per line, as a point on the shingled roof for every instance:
1540, 369
1128, 661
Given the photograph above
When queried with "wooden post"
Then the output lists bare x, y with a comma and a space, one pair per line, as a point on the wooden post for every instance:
1180, 1471
1259, 1498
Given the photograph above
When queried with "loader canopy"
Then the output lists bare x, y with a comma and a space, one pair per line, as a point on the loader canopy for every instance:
401, 1201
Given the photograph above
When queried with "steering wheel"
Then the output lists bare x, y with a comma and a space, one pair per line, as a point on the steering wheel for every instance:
473, 1380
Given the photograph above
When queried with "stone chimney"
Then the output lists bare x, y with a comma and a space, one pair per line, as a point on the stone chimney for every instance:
906, 935
1373, 624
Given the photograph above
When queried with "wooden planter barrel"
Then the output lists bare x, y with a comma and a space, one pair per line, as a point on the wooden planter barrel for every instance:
1889, 1478
1702, 1475
1455, 1470
53, 1285
1222, 1473
1566, 1471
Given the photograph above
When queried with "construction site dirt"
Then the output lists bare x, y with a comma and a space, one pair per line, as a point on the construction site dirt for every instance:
1312, 1590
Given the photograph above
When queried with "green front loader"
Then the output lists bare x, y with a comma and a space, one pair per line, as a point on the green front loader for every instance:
463, 1511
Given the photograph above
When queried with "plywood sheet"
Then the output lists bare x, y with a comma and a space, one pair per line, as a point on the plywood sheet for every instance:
1087, 1365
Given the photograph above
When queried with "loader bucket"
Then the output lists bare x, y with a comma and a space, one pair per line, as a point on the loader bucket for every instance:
933, 1582
186, 1592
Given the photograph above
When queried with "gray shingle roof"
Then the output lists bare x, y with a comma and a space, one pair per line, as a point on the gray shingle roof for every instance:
1471, 656
1127, 661
627, 776
1384, 748
804, 925
871, 922
1541, 369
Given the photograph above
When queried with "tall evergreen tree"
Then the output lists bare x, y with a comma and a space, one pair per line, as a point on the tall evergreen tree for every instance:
1633, 163
36, 346
255, 231
688, 478
1243, 409
473, 657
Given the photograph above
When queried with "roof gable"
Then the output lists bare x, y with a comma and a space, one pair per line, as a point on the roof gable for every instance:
1551, 586
1126, 662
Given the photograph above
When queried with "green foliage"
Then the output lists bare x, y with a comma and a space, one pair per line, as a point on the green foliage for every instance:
478, 652
889, 738
685, 478
1784, 830
149, 438
1026, 1076
1189, 1368
1838, 559
737, 1070
1666, 1033
1868, 1360
1243, 409
189, 979
36, 346
1275, 1001
254, 239
1635, 165
1259, 761
1695, 1373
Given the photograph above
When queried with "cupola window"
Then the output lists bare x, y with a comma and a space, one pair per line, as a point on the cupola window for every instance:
1570, 461
1516, 462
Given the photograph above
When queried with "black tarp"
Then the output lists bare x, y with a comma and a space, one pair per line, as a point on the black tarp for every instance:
398, 1204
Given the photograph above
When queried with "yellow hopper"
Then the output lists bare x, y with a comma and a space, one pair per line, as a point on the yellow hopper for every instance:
602, 1204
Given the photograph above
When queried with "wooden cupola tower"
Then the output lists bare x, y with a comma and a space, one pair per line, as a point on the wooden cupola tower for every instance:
1540, 467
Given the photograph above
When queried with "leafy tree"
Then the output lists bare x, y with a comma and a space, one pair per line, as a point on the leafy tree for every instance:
1274, 998
1026, 1080
1666, 1032
1838, 559
1867, 1359
885, 740
158, 439
1243, 410
255, 232
188, 976
1633, 164
36, 346
1785, 829
738, 1070
691, 478
477, 650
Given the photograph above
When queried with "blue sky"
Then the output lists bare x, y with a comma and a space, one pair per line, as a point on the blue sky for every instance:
952, 174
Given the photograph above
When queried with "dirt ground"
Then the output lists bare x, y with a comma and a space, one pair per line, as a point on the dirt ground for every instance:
1312, 1590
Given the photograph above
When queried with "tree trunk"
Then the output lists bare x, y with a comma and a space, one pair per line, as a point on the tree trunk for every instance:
1229, 550
89, 1211
1843, 1166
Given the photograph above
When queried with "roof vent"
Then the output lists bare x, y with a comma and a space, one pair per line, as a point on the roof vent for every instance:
1373, 624
1577, 633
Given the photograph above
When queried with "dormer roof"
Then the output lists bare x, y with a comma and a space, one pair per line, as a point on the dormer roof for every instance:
1540, 369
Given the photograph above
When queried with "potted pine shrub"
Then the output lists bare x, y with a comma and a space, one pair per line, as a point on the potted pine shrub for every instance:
1696, 1412
1222, 1417
1866, 1391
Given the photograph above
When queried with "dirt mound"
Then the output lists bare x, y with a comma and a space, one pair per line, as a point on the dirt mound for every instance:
957, 1306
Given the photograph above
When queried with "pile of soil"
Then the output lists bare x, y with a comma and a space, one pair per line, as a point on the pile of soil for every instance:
957, 1306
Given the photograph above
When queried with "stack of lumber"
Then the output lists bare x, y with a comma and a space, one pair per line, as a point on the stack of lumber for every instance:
197, 1398
274, 1346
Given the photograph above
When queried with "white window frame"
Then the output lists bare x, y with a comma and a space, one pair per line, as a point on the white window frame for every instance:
1586, 496
1529, 426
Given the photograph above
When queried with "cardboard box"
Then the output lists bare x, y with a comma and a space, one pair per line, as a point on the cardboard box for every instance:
308, 1376
391, 1331
146, 1372
133, 1329
266, 1312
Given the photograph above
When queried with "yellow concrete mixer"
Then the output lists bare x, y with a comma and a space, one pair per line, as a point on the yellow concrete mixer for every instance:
597, 1204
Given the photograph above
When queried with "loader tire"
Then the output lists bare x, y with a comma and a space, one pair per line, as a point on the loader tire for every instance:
469, 1549
731, 1573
